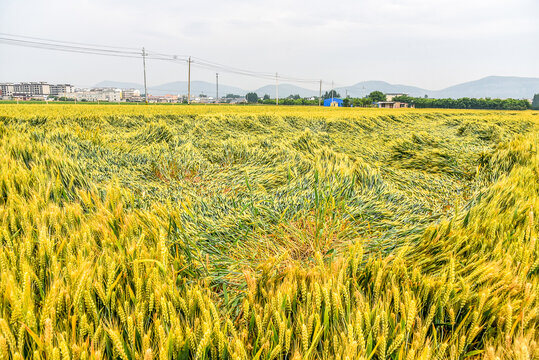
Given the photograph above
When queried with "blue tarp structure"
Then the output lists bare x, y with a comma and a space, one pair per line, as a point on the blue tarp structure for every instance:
335, 101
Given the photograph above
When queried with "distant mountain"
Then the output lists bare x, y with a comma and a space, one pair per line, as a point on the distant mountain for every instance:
285, 90
119, 85
197, 88
364, 88
177, 87
491, 86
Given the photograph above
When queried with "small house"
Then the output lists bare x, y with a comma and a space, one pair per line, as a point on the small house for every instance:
393, 105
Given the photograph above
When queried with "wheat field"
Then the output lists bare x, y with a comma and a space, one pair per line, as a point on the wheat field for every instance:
258, 232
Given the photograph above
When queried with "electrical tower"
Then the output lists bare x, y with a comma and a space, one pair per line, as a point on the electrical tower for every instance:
144, 65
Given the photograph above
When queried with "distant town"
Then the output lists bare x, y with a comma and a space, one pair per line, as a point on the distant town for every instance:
43, 91
67, 92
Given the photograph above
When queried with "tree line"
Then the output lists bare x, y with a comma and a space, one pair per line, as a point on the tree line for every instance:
466, 103
296, 99
535, 102
419, 102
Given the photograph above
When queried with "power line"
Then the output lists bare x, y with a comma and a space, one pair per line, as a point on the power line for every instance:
133, 50
212, 63
247, 72
86, 50
265, 75
77, 47
66, 48
94, 49
66, 42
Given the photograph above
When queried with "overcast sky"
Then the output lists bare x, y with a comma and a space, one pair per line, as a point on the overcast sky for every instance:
425, 43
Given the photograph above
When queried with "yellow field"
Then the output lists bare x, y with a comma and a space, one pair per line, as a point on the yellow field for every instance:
59, 110
263, 232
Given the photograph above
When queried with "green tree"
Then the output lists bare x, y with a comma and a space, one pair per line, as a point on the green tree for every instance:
266, 97
377, 96
331, 94
535, 102
466, 103
252, 98
361, 102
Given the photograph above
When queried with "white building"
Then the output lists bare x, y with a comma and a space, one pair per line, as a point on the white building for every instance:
95, 95
31, 88
7, 89
163, 98
130, 94
61, 89
238, 101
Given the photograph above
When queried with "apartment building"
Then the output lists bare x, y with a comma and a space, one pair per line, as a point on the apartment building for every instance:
94, 95
7, 89
31, 88
61, 89
38, 89
130, 94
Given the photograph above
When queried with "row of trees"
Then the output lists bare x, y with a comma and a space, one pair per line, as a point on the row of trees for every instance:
373, 97
252, 98
535, 102
466, 103
290, 101
376, 96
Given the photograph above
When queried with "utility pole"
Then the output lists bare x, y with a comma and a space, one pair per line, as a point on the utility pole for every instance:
332, 92
189, 83
320, 95
144, 65
277, 89
217, 87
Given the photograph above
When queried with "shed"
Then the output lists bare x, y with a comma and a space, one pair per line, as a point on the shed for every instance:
333, 102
